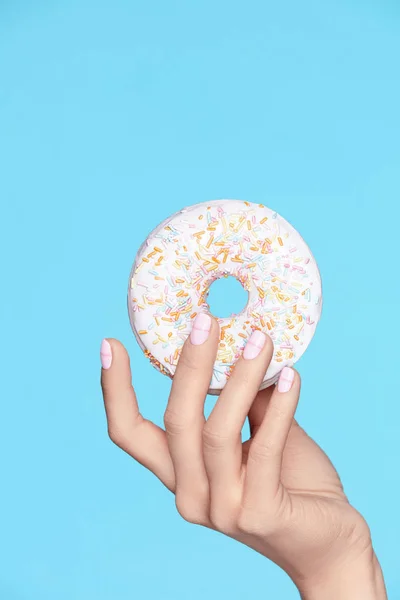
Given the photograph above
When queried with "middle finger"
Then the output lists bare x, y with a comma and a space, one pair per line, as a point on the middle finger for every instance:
222, 432
184, 418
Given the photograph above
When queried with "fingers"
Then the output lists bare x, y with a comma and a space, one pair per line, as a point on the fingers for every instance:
266, 450
140, 438
258, 409
184, 418
222, 432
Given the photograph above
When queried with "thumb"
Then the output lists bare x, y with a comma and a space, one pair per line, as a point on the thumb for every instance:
142, 439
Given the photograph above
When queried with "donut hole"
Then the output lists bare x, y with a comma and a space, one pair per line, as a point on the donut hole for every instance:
227, 297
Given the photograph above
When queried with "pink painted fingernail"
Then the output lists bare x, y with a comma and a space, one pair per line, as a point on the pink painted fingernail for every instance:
255, 344
285, 380
105, 354
201, 329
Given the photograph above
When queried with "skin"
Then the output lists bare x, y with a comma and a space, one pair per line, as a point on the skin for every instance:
278, 492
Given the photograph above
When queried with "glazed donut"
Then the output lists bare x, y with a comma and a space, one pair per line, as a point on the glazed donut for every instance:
176, 265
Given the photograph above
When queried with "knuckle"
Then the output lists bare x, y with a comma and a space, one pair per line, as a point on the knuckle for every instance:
188, 362
119, 436
262, 451
173, 422
254, 524
241, 377
214, 440
277, 412
272, 517
190, 509
122, 432
249, 525
223, 522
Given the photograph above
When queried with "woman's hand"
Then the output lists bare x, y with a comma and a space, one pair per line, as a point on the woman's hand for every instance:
277, 492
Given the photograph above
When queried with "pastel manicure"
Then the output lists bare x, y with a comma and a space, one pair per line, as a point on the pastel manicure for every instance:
254, 344
285, 380
201, 329
105, 354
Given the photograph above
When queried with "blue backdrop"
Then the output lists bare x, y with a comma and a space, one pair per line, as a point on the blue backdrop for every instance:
112, 116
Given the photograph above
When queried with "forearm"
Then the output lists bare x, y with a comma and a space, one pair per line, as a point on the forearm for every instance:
361, 580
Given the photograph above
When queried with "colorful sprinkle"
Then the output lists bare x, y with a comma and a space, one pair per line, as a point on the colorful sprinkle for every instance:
170, 282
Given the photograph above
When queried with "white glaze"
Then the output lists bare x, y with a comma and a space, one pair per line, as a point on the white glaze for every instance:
277, 269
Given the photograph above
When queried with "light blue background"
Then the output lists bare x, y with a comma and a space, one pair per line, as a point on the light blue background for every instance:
112, 116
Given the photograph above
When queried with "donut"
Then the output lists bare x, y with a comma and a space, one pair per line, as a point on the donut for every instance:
175, 266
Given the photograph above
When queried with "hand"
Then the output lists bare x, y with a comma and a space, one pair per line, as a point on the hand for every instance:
277, 492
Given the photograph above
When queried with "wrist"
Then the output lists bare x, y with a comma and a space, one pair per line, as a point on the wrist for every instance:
358, 579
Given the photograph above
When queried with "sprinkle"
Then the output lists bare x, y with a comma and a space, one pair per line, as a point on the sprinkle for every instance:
233, 243
211, 267
299, 269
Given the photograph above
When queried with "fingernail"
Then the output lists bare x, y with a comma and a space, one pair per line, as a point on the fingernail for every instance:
105, 354
255, 344
201, 329
285, 379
